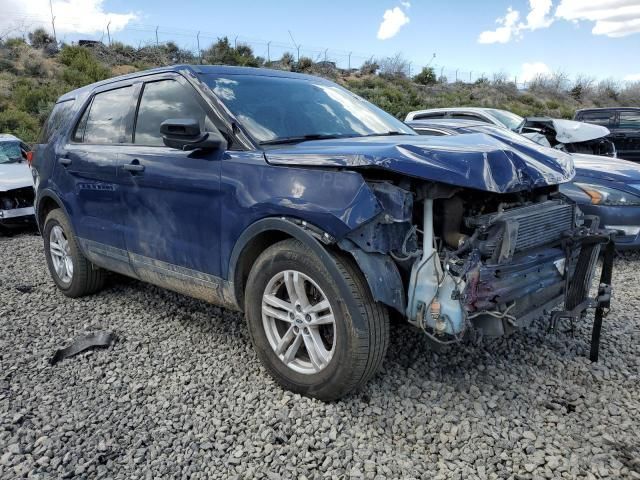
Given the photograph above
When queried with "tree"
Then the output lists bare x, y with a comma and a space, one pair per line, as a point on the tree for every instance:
369, 67
426, 77
394, 67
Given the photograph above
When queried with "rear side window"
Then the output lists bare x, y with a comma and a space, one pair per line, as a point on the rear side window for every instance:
630, 119
427, 131
469, 116
57, 120
603, 118
430, 115
161, 101
106, 119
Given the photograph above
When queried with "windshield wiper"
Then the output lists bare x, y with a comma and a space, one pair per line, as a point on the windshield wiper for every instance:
303, 138
390, 133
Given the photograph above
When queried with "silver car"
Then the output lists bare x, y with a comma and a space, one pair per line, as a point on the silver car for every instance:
16, 182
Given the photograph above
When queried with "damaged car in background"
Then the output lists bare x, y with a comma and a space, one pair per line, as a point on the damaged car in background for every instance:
289, 198
16, 183
566, 135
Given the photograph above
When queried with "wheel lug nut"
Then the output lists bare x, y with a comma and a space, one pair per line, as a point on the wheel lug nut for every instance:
298, 308
292, 315
307, 317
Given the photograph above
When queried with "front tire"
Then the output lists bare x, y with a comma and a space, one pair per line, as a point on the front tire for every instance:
73, 274
312, 337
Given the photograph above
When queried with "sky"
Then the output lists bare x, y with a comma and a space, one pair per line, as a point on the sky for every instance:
598, 38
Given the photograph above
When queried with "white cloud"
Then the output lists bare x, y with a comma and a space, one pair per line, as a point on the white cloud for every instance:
613, 18
531, 70
406, 4
502, 34
510, 27
634, 77
71, 16
392, 21
538, 16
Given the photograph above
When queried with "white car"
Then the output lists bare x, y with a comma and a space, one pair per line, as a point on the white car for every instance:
567, 135
16, 182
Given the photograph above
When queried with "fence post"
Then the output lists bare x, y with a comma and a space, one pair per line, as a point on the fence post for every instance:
108, 32
157, 43
456, 75
269, 51
349, 61
199, 51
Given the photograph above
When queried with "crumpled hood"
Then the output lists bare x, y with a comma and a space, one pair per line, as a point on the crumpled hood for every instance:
495, 162
15, 175
570, 131
606, 168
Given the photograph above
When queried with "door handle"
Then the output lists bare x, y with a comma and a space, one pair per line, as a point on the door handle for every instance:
133, 167
64, 161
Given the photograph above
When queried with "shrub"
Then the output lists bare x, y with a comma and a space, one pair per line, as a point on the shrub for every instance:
19, 123
82, 67
39, 38
426, 77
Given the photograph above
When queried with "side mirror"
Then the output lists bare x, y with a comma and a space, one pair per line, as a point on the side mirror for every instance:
185, 134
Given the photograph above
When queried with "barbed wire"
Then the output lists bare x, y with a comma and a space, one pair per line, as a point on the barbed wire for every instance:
197, 41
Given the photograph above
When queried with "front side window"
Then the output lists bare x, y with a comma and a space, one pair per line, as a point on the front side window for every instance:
283, 109
597, 118
430, 115
163, 100
508, 119
630, 119
106, 119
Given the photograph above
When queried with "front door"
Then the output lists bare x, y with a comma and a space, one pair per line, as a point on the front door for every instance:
171, 196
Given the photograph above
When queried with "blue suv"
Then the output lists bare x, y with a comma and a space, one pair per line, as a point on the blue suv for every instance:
317, 214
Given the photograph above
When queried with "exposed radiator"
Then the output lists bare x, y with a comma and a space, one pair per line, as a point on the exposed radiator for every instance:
526, 227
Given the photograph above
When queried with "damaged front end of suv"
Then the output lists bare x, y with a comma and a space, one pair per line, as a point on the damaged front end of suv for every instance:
473, 237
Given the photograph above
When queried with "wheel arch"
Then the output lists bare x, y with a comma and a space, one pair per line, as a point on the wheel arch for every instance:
381, 274
46, 202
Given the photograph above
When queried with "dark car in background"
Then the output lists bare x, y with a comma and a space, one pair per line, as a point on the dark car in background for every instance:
316, 213
624, 124
608, 188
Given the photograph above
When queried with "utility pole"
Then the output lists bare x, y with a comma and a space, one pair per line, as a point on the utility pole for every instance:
199, 51
108, 32
235, 42
456, 75
325, 55
53, 22
269, 51
157, 43
350, 60
442, 72
470, 75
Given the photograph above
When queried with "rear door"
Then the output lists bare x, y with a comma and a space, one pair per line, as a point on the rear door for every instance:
172, 197
87, 169
627, 135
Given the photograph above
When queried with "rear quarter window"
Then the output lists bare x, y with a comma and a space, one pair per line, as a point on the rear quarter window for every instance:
57, 121
630, 119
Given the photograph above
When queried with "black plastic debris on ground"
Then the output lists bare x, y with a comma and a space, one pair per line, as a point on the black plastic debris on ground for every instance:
85, 342
24, 288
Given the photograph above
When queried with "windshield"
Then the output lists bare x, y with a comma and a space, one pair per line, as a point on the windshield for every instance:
10, 152
508, 119
279, 109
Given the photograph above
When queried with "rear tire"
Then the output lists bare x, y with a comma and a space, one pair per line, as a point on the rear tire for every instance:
74, 275
338, 341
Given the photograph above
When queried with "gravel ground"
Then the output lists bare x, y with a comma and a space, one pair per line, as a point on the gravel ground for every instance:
182, 395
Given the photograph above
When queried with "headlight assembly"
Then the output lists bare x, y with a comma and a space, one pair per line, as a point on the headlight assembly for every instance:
600, 195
